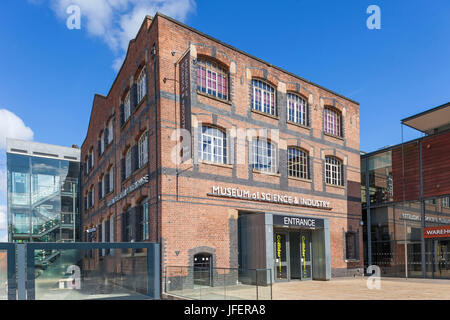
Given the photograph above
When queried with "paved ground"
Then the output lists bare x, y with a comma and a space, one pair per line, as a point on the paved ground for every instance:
356, 289
335, 289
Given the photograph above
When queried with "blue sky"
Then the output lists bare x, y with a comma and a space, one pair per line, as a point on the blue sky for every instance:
49, 74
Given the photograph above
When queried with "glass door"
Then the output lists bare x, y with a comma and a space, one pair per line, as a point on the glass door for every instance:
305, 257
280, 249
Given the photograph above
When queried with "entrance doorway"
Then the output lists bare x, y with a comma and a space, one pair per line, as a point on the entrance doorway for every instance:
293, 255
202, 269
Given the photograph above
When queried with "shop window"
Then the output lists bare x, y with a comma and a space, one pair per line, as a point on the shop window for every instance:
297, 109
263, 97
351, 246
298, 163
212, 146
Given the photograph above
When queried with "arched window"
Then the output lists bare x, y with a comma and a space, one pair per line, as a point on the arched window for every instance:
263, 97
212, 78
298, 163
128, 163
127, 107
143, 149
297, 109
334, 170
332, 122
141, 85
264, 156
212, 145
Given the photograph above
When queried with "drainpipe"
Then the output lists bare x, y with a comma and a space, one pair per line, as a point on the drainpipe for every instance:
158, 236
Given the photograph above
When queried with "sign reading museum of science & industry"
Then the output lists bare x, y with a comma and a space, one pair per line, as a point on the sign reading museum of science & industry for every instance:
236, 193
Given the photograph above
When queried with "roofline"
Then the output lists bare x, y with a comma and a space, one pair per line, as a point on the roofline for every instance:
251, 56
425, 112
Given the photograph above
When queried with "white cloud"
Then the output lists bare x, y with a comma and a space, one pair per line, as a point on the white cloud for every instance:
116, 22
3, 218
11, 126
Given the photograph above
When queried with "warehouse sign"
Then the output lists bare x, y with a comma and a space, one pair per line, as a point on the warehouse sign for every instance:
128, 190
237, 193
414, 217
437, 232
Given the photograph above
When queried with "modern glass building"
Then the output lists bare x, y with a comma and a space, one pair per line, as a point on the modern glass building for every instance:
406, 201
43, 192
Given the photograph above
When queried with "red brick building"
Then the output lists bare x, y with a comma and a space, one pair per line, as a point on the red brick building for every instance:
266, 173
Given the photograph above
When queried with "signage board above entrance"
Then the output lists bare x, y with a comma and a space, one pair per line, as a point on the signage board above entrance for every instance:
437, 232
237, 193
295, 221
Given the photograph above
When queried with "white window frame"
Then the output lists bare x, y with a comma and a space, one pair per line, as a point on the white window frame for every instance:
143, 149
264, 156
211, 69
297, 109
266, 91
142, 85
334, 171
445, 202
328, 124
299, 167
128, 163
212, 145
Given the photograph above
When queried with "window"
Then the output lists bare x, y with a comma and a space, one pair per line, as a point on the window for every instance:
297, 109
445, 202
103, 192
332, 122
334, 171
212, 146
212, 79
143, 149
128, 163
351, 246
264, 156
142, 85
298, 163
102, 142
263, 97
110, 131
127, 107
111, 180
145, 221
127, 235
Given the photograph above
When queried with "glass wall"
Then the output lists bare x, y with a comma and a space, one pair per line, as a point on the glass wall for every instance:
43, 199
380, 177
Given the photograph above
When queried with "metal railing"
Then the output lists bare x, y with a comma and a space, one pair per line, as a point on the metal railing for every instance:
218, 283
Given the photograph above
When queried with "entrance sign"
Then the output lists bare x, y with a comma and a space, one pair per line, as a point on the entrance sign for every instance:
437, 232
236, 193
294, 221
